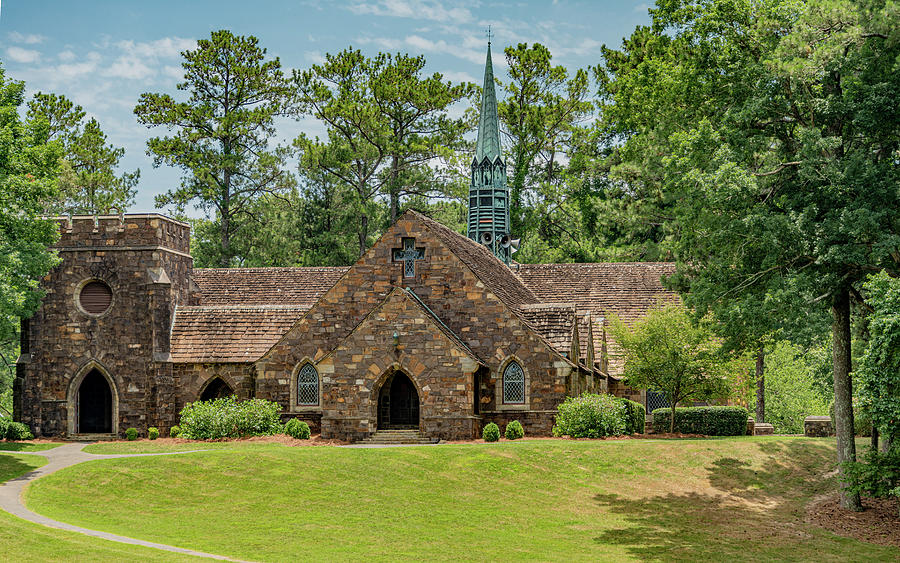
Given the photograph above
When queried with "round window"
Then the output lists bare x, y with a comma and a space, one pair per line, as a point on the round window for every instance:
95, 297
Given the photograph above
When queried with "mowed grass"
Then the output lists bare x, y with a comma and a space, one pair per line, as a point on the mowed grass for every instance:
24, 541
27, 446
727, 499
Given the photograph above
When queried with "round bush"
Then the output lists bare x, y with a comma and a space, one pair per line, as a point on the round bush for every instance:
591, 416
18, 431
297, 429
491, 432
514, 430
174, 431
131, 434
153, 433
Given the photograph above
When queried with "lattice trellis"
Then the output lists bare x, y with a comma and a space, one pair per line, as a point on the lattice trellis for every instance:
513, 384
308, 385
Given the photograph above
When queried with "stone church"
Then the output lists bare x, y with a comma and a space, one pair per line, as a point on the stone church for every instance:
429, 330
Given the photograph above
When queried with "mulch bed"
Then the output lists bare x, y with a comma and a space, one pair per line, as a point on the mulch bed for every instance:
665, 436
878, 523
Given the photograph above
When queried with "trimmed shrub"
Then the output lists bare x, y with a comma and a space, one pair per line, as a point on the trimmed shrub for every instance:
591, 416
297, 429
153, 433
4, 424
711, 421
491, 432
635, 417
131, 434
18, 431
174, 431
514, 430
229, 418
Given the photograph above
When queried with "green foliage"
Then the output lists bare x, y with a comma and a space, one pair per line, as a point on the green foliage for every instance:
298, 429
229, 418
491, 432
635, 416
711, 421
879, 368
876, 474
14, 430
29, 165
88, 182
175, 431
792, 392
221, 134
666, 351
153, 433
4, 425
131, 434
591, 416
514, 430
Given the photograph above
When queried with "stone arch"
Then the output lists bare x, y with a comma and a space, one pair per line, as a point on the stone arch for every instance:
214, 388
96, 373
294, 405
498, 390
398, 399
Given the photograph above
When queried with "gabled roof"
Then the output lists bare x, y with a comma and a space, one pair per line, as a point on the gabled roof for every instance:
493, 273
265, 286
229, 334
554, 321
427, 313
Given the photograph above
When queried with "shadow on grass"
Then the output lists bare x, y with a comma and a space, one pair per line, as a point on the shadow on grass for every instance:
755, 513
16, 447
12, 468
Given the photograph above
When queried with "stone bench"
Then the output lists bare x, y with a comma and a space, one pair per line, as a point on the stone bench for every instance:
818, 427
763, 429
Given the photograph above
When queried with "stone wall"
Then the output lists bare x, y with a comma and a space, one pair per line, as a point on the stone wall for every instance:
458, 298
144, 261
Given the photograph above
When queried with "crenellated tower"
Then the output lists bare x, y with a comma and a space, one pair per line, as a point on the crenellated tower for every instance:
488, 194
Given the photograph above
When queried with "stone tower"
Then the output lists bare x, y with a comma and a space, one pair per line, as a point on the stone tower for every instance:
96, 356
488, 194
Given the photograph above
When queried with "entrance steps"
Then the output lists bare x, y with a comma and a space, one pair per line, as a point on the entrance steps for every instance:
91, 437
396, 437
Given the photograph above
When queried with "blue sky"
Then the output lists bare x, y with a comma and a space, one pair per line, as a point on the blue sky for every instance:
104, 54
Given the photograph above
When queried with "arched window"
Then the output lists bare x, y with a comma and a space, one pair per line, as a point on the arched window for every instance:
513, 384
307, 385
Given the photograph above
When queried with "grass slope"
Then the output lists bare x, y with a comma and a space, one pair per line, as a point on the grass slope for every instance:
26, 542
27, 446
731, 499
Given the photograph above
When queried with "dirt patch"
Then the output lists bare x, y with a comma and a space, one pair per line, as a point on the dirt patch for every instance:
878, 523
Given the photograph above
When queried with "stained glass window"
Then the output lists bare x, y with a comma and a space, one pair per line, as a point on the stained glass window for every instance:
307, 385
513, 384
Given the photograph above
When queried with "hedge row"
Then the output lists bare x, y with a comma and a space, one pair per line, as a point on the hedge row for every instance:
229, 418
711, 421
597, 416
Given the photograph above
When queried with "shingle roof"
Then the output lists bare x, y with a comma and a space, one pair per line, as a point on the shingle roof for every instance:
229, 334
554, 321
626, 289
261, 286
495, 275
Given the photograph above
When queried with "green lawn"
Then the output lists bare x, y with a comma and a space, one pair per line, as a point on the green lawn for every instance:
729, 499
26, 446
24, 541
153, 446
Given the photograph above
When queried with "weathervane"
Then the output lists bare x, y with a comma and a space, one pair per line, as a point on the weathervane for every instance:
489, 34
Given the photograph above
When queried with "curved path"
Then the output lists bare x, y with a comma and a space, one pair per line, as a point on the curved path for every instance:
66, 456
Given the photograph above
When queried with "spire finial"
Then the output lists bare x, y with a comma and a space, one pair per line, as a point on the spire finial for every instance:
489, 34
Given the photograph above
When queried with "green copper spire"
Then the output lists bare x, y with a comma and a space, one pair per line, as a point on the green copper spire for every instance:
488, 194
489, 124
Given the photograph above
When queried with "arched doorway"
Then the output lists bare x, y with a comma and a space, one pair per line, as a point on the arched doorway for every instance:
216, 389
398, 403
95, 405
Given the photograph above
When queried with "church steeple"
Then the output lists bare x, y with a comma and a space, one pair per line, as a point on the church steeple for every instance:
488, 194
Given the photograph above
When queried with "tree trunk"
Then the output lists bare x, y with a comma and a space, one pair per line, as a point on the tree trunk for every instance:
395, 188
761, 384
363, 233
874, 445
843, 393
672, 420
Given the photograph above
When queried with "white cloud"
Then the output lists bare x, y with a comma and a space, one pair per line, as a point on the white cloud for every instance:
457, 76
129, 68
165, 48
20, 55
27, 38
414, 9
315, 57
66, 56
175, 72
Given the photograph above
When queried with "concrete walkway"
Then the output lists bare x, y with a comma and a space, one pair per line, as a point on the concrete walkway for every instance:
67, 456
